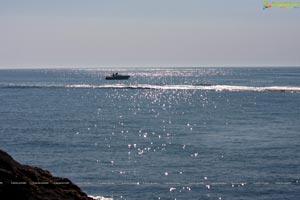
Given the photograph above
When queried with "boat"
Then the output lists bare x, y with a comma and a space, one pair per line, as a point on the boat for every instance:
116, 76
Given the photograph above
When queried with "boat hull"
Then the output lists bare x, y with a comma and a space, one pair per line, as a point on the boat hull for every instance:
117, 77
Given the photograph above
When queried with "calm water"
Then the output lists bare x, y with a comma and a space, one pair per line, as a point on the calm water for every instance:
212, 133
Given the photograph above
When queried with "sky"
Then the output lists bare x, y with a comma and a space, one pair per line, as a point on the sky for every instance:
146, 33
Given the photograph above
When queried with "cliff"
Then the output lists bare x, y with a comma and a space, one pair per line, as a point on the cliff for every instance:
23, 182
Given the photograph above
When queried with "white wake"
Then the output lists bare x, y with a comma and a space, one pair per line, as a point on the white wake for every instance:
160, 87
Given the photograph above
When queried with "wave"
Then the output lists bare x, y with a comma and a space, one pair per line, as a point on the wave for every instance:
100, 198
160, 87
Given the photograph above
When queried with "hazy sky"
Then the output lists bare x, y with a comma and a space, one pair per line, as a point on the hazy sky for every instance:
106, 33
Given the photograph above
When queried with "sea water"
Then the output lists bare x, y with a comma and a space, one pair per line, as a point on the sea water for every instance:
170, 133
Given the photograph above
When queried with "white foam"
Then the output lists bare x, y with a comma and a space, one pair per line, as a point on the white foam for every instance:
100, 198
192, 87
161, 87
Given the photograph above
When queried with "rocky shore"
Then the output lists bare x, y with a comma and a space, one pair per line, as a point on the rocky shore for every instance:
23, 182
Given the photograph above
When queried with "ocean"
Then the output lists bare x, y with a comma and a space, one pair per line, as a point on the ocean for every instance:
166, 133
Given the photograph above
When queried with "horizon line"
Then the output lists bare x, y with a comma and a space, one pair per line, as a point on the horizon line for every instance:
147, 67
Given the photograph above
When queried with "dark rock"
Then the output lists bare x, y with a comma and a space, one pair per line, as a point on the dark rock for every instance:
22, 182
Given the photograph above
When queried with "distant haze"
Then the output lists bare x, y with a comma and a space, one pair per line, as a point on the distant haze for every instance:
132, 33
